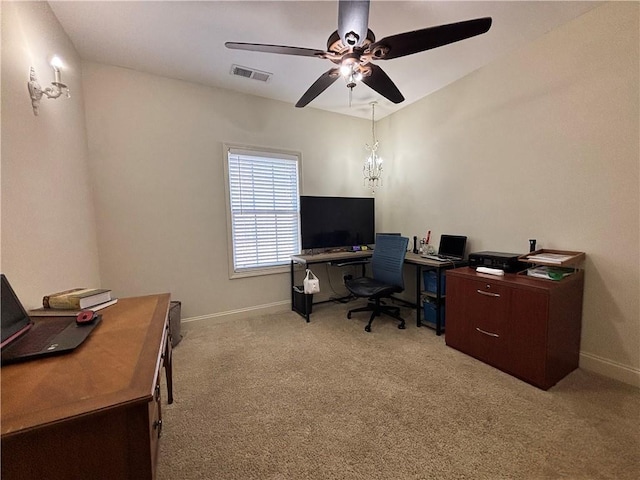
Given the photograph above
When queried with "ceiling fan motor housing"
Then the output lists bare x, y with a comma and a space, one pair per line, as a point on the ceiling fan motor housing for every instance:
352, 38
334, 43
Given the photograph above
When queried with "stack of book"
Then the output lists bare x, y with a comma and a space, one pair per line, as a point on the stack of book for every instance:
71, 302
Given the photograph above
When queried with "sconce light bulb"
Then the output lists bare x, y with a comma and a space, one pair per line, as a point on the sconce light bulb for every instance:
56, 63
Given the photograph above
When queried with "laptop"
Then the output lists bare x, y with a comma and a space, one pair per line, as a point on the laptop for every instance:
451, 248
24, 339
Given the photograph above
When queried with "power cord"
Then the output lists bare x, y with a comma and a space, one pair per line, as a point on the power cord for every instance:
338, 299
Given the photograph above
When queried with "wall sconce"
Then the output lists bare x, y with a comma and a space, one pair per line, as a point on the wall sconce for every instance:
58, 88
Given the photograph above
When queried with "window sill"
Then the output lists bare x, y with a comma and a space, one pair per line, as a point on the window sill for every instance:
259, 272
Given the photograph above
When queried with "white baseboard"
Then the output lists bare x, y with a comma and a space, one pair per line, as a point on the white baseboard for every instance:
222, 317
609, 368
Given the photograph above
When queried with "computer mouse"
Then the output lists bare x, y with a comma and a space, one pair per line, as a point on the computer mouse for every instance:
86, 317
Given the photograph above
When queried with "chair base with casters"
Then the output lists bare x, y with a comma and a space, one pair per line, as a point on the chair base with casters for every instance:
378, 308
374, 290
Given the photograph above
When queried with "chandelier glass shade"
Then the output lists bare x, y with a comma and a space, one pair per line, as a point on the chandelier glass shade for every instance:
372, 169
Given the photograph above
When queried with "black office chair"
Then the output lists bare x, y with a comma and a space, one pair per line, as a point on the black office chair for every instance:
386, 267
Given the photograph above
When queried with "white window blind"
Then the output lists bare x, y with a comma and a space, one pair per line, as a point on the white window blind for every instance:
264, 208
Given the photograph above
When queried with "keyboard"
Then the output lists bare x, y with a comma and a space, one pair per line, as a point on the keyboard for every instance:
39, 336
437, 258
440, 258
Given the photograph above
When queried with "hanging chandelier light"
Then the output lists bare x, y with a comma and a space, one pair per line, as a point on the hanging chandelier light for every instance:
372, 169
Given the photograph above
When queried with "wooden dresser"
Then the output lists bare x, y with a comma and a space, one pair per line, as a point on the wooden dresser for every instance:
527, 327
94, 413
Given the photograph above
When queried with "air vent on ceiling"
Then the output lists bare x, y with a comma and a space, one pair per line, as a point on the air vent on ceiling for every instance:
251, 73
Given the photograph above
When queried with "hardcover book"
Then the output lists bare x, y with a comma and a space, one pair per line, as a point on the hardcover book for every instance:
57, 312
77, 298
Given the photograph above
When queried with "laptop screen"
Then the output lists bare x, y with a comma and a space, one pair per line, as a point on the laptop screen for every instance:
14, 317
452, 245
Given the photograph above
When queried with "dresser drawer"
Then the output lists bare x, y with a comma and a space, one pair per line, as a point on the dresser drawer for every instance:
489, 307
487, 316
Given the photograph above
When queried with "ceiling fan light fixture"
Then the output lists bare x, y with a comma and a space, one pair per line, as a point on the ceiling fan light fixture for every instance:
353, 46
349, 65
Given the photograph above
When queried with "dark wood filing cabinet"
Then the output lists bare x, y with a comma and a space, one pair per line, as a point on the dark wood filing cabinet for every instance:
527, 327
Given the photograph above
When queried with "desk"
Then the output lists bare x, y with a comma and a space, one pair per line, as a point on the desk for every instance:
422, 264
93, 413
351, 258
410, 258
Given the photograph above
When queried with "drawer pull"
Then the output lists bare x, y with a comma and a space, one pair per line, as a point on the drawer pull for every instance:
157, 425
495, 335
488, 294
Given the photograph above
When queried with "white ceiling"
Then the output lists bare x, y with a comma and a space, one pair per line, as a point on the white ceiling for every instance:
185, 40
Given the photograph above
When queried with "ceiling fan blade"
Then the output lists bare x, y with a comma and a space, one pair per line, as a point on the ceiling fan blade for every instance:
381, 83
353, 16
281, 49
319, 86
420, 40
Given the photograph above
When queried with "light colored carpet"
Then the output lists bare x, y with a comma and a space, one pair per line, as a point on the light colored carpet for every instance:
272, 397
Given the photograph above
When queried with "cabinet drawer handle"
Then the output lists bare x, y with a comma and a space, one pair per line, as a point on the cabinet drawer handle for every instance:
488, 294
157, 425
488, 333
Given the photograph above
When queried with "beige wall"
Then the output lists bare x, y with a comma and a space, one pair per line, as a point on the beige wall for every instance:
48, 225
540, 144
157, 148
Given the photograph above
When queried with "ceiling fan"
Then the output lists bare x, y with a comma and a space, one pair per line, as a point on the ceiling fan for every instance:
353, 48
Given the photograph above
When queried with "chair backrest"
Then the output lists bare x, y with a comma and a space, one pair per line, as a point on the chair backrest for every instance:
388, 259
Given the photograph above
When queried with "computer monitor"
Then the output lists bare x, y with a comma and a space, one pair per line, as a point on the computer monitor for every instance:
327, 222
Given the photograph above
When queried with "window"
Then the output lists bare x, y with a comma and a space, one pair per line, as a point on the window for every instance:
263, 207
